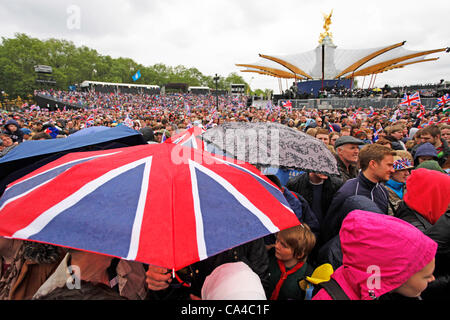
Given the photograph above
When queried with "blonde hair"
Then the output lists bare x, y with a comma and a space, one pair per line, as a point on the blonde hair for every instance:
404, 154
311, 131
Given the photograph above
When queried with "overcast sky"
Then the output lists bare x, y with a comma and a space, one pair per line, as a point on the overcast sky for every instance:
214, 35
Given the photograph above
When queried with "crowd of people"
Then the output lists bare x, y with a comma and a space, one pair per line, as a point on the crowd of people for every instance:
380, 230
115, 100
426, 91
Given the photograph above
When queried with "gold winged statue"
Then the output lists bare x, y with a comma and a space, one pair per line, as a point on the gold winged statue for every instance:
326, 26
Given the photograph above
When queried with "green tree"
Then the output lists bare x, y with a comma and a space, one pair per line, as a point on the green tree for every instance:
72, 64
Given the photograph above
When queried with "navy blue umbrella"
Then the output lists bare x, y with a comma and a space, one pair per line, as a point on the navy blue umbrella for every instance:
34, 153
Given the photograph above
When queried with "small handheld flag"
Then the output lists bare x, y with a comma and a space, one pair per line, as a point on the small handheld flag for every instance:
90, 121
442, 101
412, 100
422, 112
128, 122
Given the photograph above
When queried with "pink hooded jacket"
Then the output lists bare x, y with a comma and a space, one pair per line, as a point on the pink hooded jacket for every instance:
376, 244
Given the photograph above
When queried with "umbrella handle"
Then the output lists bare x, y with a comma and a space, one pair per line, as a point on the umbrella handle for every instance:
183, 283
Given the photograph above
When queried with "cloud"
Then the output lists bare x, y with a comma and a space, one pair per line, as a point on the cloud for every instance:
214, 35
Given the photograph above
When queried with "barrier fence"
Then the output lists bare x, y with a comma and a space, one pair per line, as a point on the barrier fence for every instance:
339, 103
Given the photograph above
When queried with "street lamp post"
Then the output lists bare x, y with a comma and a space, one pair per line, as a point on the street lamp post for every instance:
216, 79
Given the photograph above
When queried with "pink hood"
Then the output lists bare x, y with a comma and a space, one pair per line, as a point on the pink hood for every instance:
373, 244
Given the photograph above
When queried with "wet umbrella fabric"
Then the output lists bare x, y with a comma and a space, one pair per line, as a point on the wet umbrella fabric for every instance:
160, 204
189, 138
272, 145
28, 152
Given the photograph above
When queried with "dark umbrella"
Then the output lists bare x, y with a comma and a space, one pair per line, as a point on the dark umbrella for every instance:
272, 145
33, 153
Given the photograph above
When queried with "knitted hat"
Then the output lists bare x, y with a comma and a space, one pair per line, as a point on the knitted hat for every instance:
426, 149
431, 165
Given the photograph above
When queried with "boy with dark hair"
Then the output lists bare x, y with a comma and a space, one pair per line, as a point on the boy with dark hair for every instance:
432, 134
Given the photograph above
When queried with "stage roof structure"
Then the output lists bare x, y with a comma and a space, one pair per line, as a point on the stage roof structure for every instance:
327, 61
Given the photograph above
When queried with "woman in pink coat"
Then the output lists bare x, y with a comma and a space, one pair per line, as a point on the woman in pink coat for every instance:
382, 254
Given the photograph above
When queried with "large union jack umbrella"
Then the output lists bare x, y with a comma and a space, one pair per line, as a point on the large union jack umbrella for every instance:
160, 204
188, 138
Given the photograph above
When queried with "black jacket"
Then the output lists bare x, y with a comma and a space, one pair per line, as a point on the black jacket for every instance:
330, 248
302, 210
413, 217
345, 174
440, 232
302, 185
333, 222
254, 254
362, 186
16, 136
446, 153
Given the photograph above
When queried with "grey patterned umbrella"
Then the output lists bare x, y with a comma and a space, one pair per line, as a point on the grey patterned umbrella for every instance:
271, 145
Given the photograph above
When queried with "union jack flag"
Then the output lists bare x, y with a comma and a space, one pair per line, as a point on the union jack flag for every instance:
411, 100
422, 112
442, 101
90, 121
121, 202
128, 122
288, 105
372, 112
375, 134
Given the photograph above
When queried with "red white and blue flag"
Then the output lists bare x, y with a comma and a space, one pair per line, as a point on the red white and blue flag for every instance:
288, 105
411, 100
160, 204
90, 121
442, 101
269, 107
422, 112
35, 107
332, 129
128, 122
372, 112
375, 134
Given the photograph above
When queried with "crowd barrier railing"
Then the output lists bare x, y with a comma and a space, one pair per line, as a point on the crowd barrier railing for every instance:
340, 103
